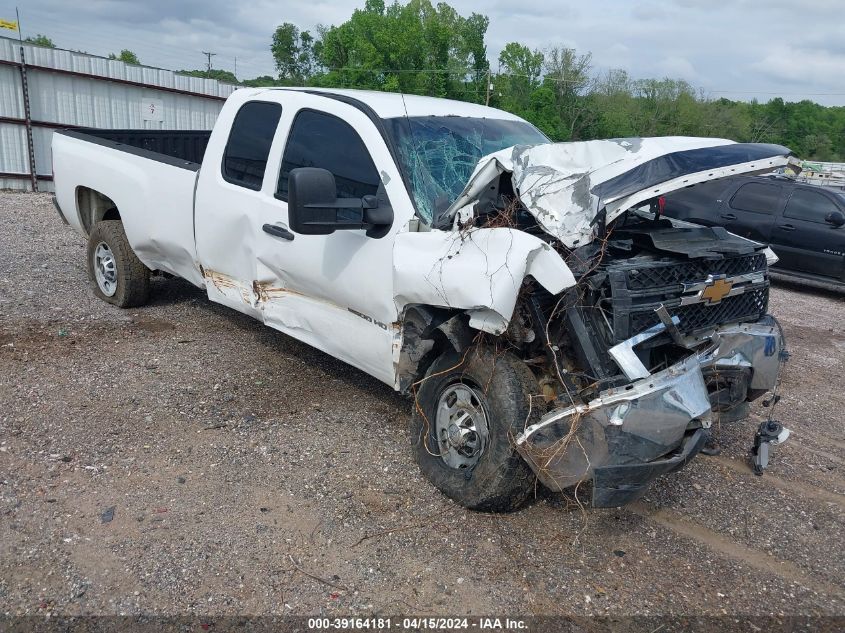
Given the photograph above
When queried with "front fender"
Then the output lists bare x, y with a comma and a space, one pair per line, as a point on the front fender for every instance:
478, 270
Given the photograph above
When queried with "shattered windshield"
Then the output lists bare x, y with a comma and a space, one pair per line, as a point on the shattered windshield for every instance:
437, 154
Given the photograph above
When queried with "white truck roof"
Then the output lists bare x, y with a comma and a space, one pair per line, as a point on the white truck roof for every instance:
390, 105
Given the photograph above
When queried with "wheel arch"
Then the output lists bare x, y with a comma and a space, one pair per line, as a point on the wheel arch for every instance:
94, 206
427, 332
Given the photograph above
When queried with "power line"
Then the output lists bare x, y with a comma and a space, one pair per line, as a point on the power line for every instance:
784, 94
441, 71
562, 80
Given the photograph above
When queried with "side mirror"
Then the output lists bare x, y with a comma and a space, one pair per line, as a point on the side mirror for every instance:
836, 218
314, 209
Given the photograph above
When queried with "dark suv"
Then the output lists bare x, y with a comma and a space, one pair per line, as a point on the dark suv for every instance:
802, 223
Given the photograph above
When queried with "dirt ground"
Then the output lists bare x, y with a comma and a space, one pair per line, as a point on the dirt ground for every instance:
182, 459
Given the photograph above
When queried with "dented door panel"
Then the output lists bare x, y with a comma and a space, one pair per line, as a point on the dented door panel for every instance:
331, 291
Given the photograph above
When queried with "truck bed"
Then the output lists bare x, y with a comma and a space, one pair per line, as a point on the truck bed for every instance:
184, 145
148, 176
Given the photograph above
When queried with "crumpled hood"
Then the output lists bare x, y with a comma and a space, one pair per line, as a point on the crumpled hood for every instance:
565, 185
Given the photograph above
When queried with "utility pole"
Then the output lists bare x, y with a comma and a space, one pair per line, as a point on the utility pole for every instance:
236, 68
209, 56
487, 100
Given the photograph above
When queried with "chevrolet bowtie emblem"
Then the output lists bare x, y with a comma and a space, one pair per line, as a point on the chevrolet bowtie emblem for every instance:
715, 290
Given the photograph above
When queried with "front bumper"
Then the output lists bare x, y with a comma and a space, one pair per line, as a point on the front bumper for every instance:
614, 486
629, 435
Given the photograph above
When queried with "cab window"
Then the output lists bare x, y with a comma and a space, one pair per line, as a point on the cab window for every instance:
322, 140
809, 205
756, 197
245, 156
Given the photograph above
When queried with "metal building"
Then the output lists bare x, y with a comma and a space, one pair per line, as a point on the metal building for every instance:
43, 89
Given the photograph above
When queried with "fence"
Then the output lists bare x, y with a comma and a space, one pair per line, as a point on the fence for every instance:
44, 89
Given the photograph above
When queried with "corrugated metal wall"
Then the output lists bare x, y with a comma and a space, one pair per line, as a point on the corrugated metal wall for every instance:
67, 88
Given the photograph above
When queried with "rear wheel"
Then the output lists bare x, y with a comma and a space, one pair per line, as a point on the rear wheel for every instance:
117, 275
468, 412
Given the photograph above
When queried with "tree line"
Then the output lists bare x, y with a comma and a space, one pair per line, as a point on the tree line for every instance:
427, 49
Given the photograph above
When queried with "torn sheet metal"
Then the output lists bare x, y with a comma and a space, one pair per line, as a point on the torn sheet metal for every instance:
634, 424
479, 270
368, 344
638, 424
626, 358
565, 185
757, 346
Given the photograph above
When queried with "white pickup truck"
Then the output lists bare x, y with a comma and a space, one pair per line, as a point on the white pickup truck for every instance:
547, 321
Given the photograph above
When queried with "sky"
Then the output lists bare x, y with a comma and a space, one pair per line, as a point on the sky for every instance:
739, 49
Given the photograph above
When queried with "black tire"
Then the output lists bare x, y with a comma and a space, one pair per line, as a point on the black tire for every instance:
132, 277
500, 481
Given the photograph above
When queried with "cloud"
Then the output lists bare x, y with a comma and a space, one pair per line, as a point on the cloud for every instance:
679, 68
800, 66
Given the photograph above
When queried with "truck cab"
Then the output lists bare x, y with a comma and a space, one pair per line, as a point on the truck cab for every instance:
322, 282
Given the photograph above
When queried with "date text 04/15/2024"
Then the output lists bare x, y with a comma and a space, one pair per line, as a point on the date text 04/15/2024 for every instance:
416, 624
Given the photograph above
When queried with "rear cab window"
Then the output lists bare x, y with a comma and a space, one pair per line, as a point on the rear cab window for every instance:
756, 197
248, 147
809, 205
318, 139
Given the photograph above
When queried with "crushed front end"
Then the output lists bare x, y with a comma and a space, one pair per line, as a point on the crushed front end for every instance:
662, 328
630, 434
666, 332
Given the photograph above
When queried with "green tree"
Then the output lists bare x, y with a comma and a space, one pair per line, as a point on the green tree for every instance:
568, 75
264, 80
613, 104
40, 40
215, 73
293, 52
126, 56
414, 48
542, 111
520, 75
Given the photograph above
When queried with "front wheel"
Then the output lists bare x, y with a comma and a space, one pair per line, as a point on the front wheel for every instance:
117, 275
468, 411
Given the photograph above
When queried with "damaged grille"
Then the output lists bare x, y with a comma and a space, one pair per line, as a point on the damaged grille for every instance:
639, 287
750, 306
659, 274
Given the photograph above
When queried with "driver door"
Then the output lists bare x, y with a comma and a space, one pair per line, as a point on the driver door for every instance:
333, 291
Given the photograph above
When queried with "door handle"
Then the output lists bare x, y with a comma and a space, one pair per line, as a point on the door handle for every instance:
786, 227
728, 216
278, 231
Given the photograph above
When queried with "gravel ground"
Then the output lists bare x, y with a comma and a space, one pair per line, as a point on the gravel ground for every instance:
183, 459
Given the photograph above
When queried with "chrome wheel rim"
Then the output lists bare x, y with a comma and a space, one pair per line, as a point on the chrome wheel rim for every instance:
461, 426
105, 269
